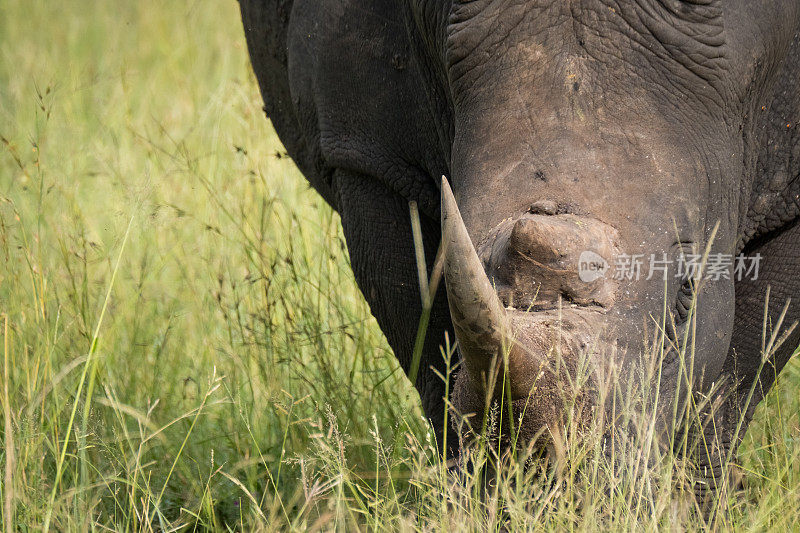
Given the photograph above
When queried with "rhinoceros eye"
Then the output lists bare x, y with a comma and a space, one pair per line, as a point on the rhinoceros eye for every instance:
683, 303
687, 259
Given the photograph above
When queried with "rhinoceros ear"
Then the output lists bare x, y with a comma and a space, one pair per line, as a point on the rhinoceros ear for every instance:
479, 318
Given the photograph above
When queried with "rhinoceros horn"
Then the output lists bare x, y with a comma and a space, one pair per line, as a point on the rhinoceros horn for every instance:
479, 319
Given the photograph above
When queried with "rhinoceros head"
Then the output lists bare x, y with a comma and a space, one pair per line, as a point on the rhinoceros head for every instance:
590, 175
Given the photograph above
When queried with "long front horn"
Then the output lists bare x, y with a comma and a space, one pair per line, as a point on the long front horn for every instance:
478, 316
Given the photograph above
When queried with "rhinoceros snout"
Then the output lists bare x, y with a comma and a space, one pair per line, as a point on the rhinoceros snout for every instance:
538, 261
535, 254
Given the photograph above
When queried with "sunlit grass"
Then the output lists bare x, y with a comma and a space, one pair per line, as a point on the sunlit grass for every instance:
230, 374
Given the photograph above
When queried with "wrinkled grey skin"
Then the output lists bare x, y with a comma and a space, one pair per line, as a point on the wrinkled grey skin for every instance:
646, 122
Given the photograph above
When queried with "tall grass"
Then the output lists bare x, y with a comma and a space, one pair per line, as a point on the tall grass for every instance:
184, 346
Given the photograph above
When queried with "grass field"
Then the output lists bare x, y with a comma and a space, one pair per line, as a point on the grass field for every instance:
184, 347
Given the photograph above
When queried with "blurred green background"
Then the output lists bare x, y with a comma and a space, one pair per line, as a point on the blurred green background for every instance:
143, 118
